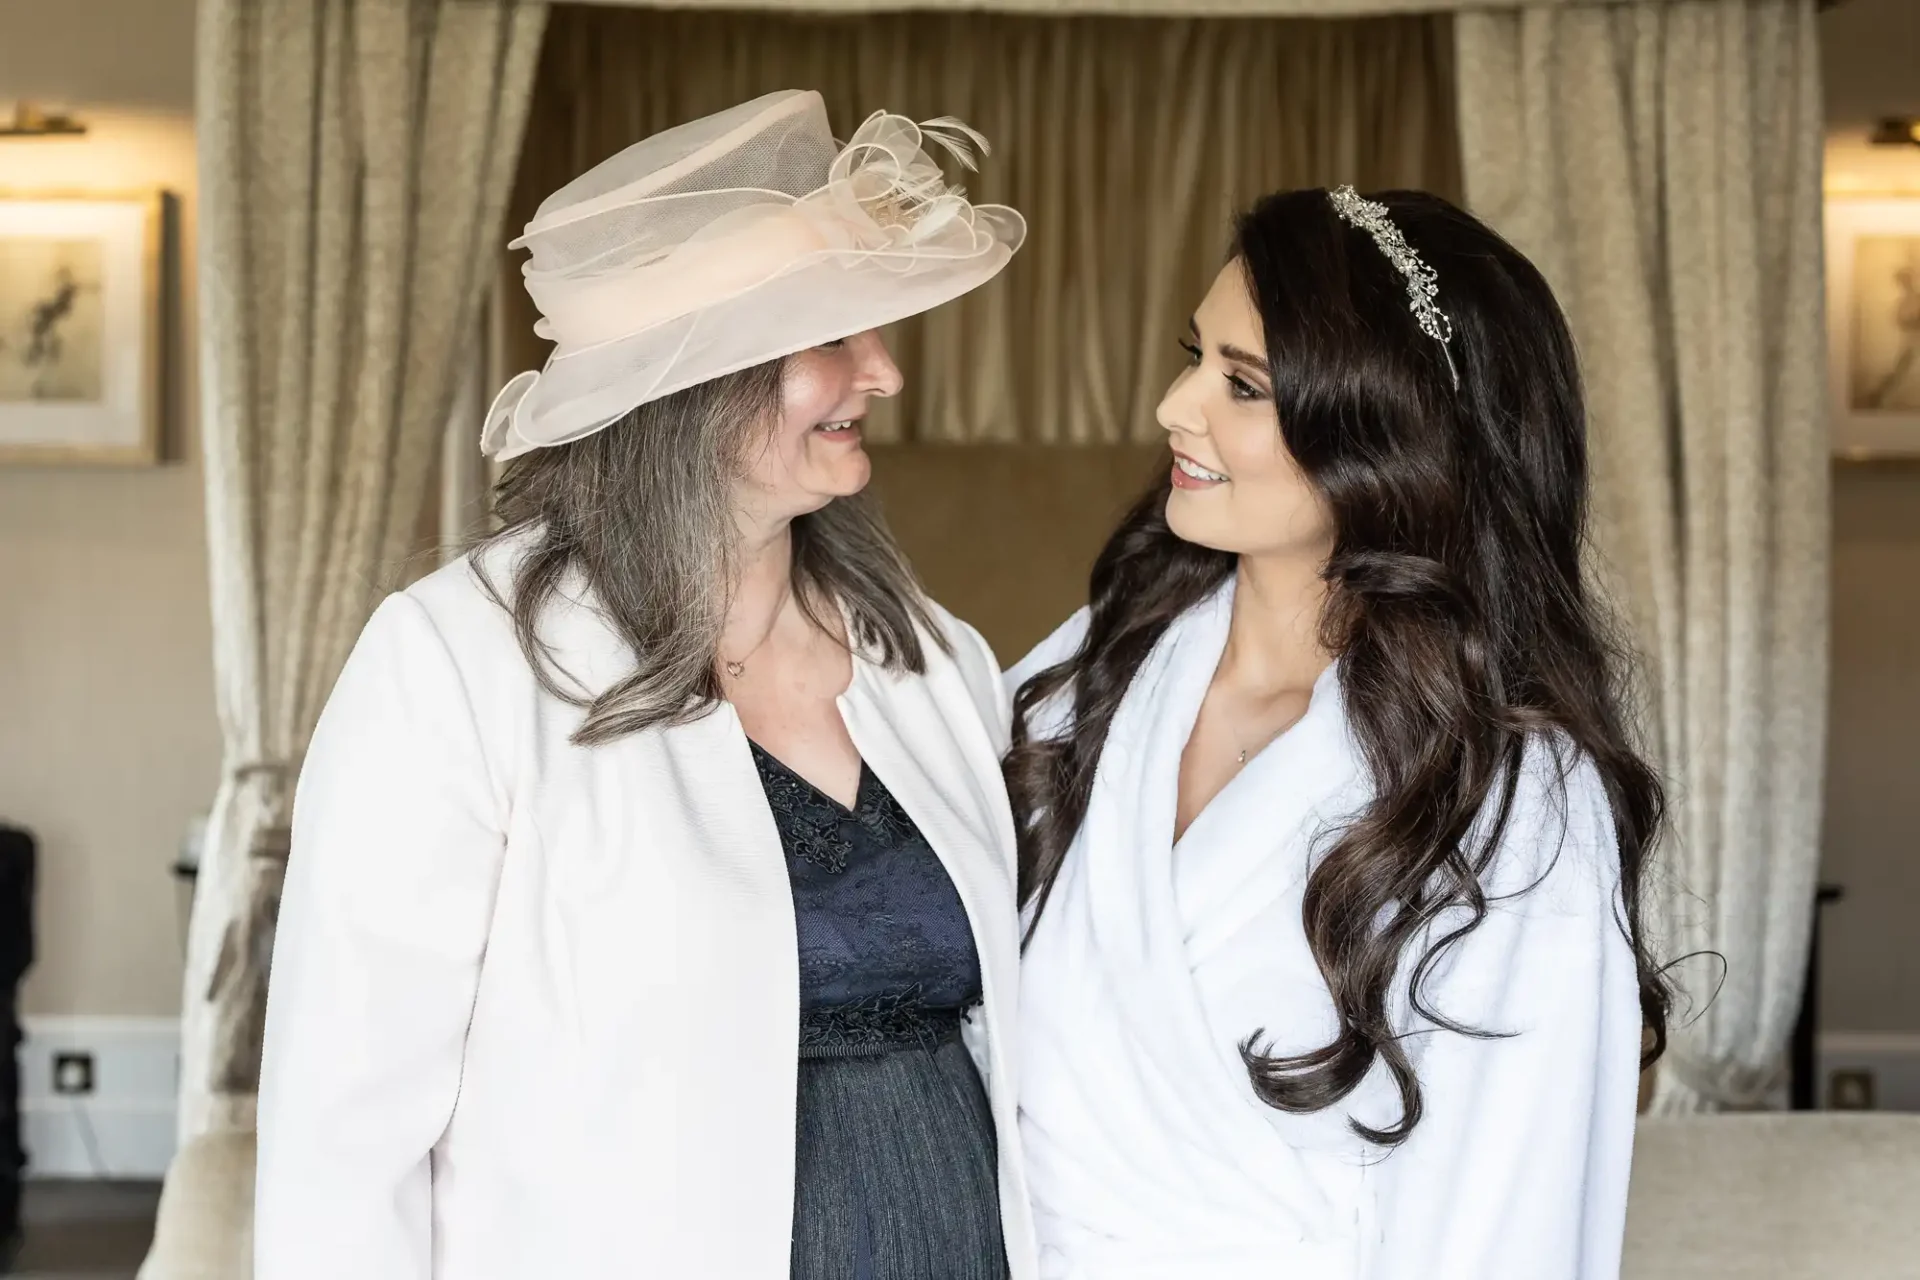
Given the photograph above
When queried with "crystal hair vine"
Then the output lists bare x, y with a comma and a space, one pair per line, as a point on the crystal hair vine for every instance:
1423, 284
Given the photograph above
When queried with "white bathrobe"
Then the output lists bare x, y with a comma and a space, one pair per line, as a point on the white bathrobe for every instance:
1148, 1153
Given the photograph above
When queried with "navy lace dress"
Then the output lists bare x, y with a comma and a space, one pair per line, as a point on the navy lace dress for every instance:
896, 1175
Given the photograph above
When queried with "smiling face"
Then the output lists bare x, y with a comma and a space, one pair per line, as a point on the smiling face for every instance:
813, 452
1235, 486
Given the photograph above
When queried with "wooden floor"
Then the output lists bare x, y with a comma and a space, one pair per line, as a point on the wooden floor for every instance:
85, 1230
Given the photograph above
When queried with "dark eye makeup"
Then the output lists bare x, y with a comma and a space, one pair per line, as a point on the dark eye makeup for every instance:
1238, 387
1241, 389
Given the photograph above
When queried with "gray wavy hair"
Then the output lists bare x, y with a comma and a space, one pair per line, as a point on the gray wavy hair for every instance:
644, 513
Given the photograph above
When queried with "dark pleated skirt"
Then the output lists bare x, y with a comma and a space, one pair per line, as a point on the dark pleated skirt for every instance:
896, 1174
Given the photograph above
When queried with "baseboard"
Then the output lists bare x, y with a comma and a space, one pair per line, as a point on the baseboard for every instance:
124, 1129
1891, 1060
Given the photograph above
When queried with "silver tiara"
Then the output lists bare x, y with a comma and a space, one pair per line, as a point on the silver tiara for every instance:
1423, 285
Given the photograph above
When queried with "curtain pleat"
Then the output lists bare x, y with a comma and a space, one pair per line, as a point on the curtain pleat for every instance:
1661, 163
1128, 142
356, 157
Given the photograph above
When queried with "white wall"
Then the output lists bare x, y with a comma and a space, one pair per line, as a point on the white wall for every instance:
107, 737
1870, 979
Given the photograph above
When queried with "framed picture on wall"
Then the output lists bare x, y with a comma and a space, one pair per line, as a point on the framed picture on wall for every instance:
1873, 321
83, 337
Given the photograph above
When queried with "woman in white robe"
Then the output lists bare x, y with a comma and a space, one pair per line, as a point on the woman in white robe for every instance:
1331, 829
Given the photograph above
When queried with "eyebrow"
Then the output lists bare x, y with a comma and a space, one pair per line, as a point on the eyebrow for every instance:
1235, 354
1247, 358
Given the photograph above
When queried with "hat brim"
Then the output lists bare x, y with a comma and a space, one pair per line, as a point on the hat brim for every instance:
821, 299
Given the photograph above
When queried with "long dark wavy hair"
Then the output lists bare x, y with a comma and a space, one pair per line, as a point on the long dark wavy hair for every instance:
1457, 606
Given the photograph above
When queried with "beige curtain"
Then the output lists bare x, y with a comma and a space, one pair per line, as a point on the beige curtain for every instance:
1111, 8
355, 158
1127, 142
1661, 163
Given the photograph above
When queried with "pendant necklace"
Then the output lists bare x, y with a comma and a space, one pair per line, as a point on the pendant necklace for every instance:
736, 669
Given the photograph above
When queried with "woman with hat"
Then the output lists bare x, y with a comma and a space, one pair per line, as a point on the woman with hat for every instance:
650, 910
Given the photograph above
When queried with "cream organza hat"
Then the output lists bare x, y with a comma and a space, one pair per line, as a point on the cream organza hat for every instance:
731, 241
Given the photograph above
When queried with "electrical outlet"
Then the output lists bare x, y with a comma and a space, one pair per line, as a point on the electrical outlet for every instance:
73, 1072
1850, 1090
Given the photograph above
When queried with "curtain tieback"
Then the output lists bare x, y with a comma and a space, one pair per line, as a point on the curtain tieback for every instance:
1728, 1084
278, 770
271, 838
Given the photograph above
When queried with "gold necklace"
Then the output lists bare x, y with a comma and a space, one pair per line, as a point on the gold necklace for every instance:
1247, 751
736, 669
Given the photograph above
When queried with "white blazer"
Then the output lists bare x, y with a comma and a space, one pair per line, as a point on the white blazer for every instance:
534, 1010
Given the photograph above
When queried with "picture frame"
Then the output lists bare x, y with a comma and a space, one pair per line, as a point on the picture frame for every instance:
1873, 326
85, 336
